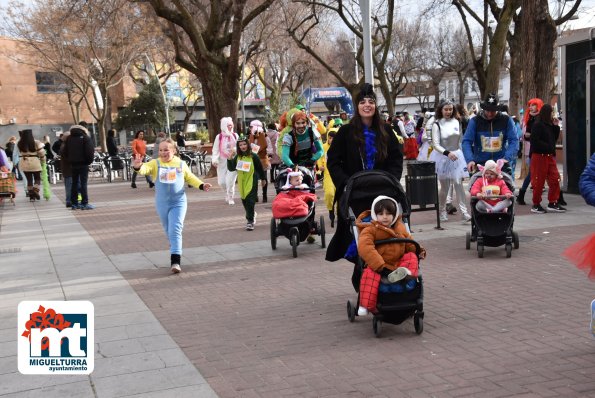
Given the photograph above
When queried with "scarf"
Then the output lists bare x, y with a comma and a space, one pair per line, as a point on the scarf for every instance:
370, 142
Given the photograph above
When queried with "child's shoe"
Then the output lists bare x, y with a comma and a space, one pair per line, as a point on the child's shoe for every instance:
231, 202
398, 274
175, 269
362, 311
249, 227
593, 317
255, 214
310, 239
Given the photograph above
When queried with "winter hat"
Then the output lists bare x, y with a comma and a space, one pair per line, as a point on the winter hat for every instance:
224, 122
256, 126
495, 167
366, 91
491, 103
382, 197
293, 173
78, 127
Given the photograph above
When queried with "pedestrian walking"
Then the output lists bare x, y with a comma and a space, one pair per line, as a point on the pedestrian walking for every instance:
79, 153
366, 143
33, 158
139, 147
170, 174
448, 156
533, 107
544, 134
223, 147
249, 170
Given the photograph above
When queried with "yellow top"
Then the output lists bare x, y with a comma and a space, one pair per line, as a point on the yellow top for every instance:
151, 168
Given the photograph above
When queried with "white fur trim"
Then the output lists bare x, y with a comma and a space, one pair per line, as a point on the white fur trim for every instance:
381, 197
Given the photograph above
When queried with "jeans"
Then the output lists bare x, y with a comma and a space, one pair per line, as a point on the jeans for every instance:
68, 189
80, 175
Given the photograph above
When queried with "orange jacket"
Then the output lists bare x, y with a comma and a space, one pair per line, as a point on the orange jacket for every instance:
387, 255
139, 147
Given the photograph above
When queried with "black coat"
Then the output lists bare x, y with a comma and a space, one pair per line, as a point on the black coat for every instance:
78, 149
112, 148
343, 161
544, 137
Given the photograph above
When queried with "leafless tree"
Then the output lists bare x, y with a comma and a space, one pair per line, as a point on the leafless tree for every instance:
90, 44
538, 41
454, 56
207, 38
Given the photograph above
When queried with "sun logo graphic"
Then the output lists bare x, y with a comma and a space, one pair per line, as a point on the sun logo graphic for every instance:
56, 337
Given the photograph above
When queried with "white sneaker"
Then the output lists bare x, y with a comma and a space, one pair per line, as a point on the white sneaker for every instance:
398, 274
175, 268
255, 214
443, 216
362, 311
231, 202
466, 218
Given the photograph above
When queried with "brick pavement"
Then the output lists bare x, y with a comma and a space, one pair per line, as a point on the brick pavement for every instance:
277, 326
494, 326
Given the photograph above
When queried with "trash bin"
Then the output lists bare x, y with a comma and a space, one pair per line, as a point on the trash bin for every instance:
421, 183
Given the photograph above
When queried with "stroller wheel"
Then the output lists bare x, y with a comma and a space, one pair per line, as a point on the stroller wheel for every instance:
322, 232
294, 241
515, 240
351, 310
480, 251
508, 248
376, 326
418, 322
273, 234
468, 241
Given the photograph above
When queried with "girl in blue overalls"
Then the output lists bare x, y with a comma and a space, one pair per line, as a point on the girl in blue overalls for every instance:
170, 174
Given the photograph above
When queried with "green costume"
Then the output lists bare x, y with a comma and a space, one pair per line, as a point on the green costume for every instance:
248, 177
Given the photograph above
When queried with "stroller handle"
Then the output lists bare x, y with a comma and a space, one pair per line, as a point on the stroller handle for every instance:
490, 197
400, 240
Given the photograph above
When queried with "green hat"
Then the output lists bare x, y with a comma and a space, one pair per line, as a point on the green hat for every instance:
242, 137
300, 107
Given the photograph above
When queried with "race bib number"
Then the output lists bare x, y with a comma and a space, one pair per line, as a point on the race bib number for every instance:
3, 175
491, 190
255, 148
167, 175
491, 144
243, 166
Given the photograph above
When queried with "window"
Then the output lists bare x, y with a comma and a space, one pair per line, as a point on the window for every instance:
419, 89
51, 82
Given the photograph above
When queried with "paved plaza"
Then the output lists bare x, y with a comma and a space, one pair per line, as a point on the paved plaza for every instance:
242, 320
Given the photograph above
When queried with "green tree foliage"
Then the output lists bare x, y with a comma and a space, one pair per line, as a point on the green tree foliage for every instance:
145, 111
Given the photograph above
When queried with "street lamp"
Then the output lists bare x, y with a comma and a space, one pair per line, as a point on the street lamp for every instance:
165, 104
354, 51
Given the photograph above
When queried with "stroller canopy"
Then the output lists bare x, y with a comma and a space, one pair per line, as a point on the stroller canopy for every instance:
365, 186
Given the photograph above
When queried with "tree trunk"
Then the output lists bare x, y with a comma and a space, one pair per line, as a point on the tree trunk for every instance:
516, 101
539, 37
220, 92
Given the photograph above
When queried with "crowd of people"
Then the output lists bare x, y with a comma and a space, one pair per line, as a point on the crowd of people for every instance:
458, 143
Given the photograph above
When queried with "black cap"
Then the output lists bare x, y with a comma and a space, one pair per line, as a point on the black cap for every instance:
491, 103
366, 91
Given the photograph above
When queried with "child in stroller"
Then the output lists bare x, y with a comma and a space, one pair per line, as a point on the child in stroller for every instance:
492, 210
398, 301
393, 261
491, 184
294, 209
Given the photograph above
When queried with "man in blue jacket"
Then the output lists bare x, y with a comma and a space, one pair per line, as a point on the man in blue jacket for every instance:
490, 135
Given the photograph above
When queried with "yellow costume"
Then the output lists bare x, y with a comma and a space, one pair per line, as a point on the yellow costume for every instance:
327, 182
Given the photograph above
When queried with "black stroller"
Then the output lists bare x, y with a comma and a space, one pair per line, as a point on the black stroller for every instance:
398, 301
297, 229
492, 229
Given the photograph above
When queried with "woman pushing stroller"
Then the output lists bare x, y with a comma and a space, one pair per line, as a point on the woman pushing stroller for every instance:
394, 260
